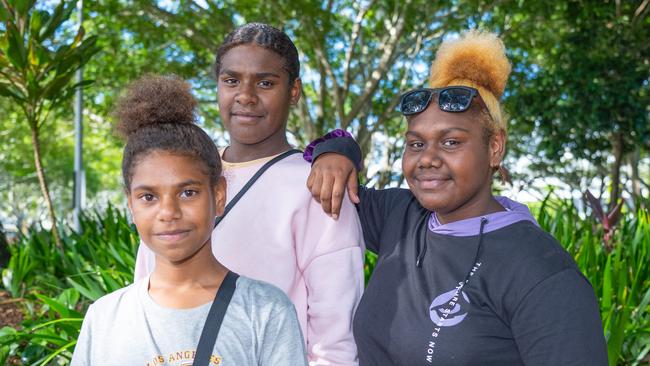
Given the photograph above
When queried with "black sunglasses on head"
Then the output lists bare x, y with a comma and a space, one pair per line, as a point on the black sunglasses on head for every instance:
450, 99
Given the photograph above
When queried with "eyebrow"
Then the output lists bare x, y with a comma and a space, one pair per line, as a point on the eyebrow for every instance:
189, 182
452, 129
442, 132
259, 75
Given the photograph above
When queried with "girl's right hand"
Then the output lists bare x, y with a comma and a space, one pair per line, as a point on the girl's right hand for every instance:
330, 175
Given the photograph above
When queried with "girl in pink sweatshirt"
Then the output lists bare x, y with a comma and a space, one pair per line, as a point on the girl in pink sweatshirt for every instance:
276, 232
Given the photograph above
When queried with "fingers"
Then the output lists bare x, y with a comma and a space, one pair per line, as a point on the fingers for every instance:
310, 179
326, 193
338, 192
315, 186
353, 187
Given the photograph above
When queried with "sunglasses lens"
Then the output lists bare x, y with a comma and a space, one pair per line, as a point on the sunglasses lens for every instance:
454, 99
415, 102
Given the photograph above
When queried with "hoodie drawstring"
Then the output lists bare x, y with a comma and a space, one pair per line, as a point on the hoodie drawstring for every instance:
422, 249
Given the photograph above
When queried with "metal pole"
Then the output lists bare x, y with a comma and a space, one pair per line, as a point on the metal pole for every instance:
79, 174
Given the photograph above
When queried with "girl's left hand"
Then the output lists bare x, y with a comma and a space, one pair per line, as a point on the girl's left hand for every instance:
330, 175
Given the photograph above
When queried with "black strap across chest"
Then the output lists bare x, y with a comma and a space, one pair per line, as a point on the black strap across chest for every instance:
250, 182
215, 317
221, 301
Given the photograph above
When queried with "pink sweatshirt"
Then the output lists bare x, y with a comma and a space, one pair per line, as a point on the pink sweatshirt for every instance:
279, 234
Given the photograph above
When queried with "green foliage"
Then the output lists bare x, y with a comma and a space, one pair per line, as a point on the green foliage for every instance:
37, 68
55, 289
579, 89
621, 278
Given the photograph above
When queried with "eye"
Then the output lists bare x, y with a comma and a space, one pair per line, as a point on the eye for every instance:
415, 145
450, 143
230, 81
147, 197
265, 84
189, 193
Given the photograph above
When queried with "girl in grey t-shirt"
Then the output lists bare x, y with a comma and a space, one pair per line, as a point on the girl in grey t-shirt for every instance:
174, 188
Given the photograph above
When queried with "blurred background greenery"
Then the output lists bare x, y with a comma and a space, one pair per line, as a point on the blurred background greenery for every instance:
578, 101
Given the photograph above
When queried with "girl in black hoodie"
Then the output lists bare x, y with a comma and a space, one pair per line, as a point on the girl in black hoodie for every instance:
463, 277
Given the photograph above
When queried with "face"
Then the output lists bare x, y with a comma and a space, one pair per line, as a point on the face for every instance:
448, 163
174, 204
254, 95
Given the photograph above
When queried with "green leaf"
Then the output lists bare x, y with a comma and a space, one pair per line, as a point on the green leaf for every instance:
90, 291
54, 305
15, 47
79, 37
57, 86
60, 14
8, 90
4, 14
35, 23
606, 300
22, 7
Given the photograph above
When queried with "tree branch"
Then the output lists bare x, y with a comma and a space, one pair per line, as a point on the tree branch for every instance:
638, 13
354, 38
395, 32
187, 30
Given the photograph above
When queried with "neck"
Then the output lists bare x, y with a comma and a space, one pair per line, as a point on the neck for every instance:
187, 283
239, 152
478, 206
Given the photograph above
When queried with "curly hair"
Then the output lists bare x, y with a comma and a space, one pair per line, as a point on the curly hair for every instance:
157, 113
477, 59
265, 36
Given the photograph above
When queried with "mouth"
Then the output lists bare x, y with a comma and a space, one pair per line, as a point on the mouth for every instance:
246, 116
432, 181
172, 235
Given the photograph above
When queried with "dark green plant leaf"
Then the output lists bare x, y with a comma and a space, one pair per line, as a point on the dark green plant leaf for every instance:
15, 47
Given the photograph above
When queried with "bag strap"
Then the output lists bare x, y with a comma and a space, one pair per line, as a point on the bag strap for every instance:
250, 182
215, 317
221, 301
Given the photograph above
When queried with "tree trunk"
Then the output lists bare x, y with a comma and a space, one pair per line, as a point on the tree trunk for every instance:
43, 183
616, 171
635, 156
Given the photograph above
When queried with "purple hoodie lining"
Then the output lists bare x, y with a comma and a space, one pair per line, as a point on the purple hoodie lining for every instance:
515, 212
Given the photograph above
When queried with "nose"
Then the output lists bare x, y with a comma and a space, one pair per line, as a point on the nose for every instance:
430, 158
169, 209
246, 94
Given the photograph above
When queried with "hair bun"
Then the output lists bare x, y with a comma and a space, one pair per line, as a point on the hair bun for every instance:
478, 57
154, 99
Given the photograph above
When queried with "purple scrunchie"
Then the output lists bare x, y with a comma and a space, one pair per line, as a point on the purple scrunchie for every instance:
309, 150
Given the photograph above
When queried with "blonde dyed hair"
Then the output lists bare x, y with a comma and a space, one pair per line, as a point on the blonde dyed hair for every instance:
478, 60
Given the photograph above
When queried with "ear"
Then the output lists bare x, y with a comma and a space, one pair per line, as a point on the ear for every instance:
295, 92
219, 191
129, 201
497, 148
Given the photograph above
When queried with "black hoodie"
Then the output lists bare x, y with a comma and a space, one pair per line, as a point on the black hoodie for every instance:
523, 301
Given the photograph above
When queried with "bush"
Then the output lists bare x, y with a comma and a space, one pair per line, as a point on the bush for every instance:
55, 288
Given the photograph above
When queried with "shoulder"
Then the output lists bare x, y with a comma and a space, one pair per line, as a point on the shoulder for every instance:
262, 294
293, 166
532, 248
524, 256
106, 310
122, 297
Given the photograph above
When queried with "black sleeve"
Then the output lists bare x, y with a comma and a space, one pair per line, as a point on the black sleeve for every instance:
345, 146
375, 208
558, 323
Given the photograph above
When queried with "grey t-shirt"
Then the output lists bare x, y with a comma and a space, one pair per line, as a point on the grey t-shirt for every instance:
127, 327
